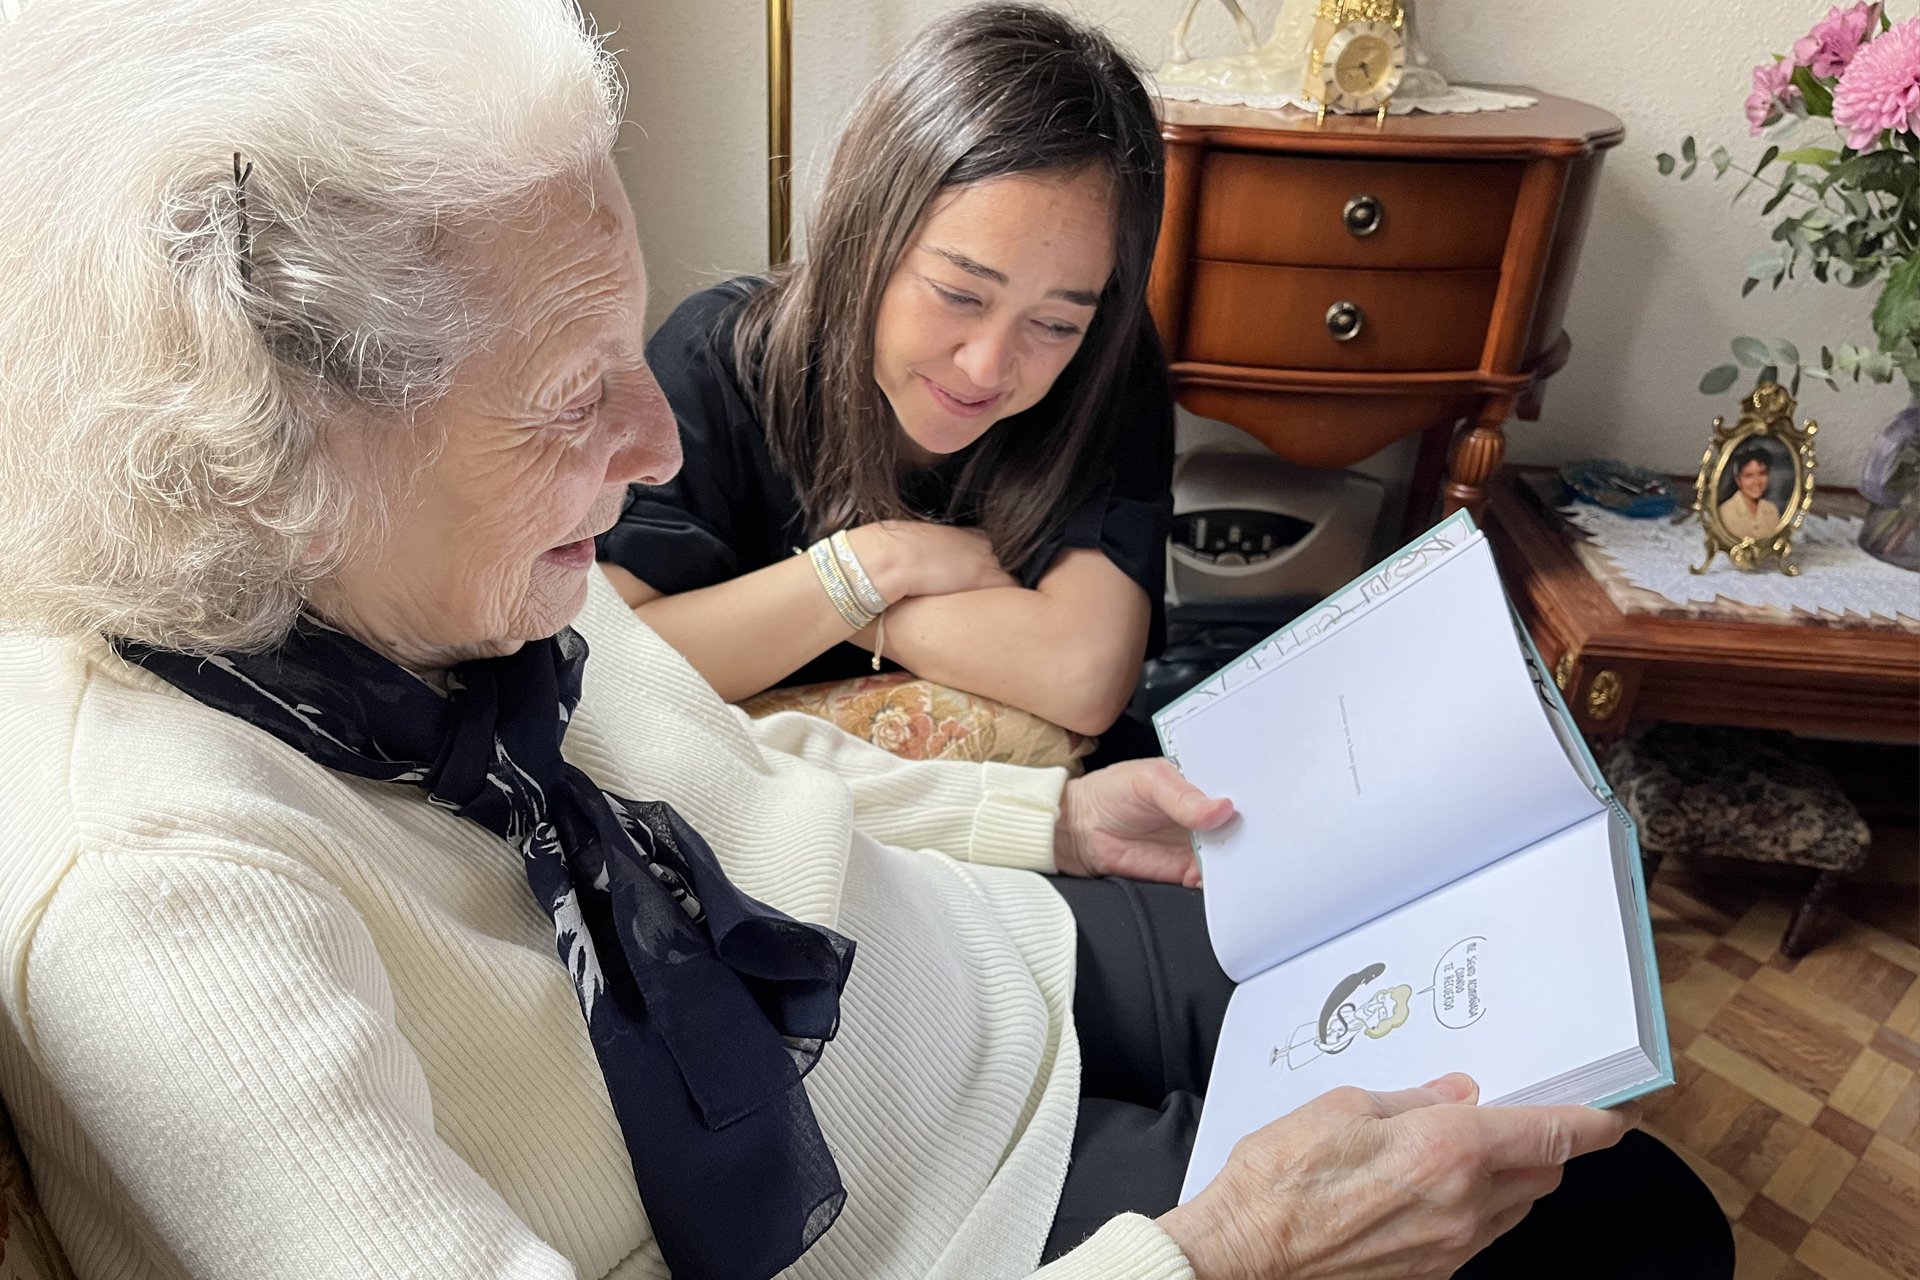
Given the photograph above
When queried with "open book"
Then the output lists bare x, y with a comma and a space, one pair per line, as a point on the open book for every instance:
1427, 872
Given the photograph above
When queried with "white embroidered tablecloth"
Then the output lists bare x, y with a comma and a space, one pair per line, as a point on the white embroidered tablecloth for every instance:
1837, 579
1458, 99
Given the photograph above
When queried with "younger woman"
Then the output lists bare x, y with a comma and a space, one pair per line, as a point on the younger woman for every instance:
961, 380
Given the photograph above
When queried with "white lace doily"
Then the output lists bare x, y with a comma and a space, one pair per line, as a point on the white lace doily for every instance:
1458, 99
1836, 577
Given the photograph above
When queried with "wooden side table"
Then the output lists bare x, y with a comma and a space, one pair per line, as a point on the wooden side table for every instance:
1330, 289
1751, 668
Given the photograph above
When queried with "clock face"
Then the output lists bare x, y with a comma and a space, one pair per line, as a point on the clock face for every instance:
1362, 66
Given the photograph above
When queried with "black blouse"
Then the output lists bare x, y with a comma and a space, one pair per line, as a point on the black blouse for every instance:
730, 511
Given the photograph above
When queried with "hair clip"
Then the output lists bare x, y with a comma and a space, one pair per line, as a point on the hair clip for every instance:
240, 177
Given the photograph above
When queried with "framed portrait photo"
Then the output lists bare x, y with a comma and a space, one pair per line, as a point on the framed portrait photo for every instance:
1756, 482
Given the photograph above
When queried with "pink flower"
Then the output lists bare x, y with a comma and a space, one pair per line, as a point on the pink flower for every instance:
1772, 90
1881, 87
1830, 46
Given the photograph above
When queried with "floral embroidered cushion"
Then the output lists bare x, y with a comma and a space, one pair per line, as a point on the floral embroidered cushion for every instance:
920, 720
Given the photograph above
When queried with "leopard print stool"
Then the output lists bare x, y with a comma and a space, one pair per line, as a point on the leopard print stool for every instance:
1739, 793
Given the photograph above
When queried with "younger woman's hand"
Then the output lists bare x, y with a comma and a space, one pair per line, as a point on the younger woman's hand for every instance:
1132, 819
920, 558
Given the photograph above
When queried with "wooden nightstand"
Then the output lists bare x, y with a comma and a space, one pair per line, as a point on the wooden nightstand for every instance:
1332, 289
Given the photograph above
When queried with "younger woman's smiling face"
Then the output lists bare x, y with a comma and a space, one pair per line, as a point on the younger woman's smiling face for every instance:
991, 299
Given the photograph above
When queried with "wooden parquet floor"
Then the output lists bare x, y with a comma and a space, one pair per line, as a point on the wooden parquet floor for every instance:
1798, 1094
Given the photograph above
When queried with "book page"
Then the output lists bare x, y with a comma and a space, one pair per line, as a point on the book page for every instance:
1317, 625
1390, 758
1516, 974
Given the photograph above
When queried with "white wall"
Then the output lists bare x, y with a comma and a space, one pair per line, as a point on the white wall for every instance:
1658, 291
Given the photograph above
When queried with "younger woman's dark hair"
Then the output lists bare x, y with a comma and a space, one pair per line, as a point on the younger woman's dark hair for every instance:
987, 92
1751, 452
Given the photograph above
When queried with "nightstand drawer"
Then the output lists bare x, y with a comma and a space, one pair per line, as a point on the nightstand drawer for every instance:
1292, 317
1354, 213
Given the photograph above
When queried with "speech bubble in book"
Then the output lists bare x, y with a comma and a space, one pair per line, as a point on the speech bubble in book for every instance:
1457, 1001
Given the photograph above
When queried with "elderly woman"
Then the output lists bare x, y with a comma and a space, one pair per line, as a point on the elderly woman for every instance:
354, 929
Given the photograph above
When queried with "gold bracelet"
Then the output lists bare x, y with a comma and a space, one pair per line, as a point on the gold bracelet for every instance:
826, 566
863, 589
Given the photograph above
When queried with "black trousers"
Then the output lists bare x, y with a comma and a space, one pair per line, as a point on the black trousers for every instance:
1148, 1002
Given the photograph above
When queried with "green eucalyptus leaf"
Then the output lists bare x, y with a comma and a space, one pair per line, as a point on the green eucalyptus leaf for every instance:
1767, 157
1665, 163
1721, 162
1718, 379
1687, 150
1765, 265
1787, 353
1822, 156
1896, 316
1688, 171
1751, 352
1778, 197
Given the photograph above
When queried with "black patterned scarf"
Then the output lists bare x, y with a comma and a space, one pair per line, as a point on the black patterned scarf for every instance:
705, 1007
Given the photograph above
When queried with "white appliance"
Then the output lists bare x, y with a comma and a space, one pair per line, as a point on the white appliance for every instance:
1250, 526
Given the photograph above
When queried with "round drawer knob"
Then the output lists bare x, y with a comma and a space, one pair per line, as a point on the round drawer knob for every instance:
1362, 216
1344, 320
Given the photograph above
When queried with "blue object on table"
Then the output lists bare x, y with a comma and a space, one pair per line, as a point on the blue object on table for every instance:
1619, 487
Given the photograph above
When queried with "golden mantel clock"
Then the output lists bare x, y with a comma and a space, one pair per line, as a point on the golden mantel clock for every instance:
1355, 57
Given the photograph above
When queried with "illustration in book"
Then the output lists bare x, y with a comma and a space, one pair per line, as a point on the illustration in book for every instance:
1361, 1007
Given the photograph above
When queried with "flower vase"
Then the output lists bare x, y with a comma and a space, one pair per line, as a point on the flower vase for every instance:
1891, 482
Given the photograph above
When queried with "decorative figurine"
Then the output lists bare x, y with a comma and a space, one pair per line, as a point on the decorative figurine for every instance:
1248, 36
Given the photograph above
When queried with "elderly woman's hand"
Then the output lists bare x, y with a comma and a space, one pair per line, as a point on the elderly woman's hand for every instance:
1131, 819
1363, 1186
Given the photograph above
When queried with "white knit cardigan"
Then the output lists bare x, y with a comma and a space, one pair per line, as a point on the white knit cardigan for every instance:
266, 1022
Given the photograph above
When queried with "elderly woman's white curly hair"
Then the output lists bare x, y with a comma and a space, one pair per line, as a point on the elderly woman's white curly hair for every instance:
175, 347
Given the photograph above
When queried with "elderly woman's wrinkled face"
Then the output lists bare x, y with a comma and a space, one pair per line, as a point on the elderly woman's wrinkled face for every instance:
491, 546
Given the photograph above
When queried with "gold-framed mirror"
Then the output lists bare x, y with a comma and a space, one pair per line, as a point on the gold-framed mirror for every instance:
1756, 483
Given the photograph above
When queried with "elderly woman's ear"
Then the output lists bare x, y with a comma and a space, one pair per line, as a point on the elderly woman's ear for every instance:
319, 549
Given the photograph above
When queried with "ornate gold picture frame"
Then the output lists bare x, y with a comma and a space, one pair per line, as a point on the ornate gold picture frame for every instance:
1756, 483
